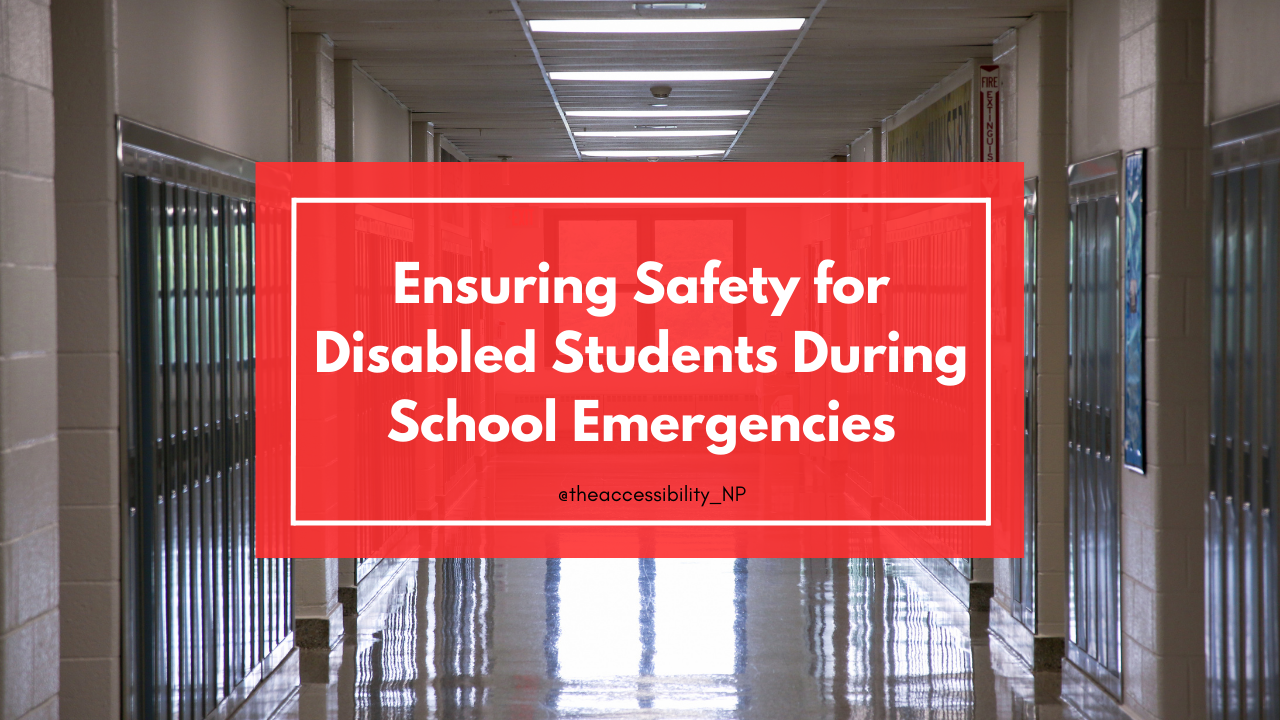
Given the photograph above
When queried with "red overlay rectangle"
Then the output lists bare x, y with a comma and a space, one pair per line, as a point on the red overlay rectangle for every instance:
639, 359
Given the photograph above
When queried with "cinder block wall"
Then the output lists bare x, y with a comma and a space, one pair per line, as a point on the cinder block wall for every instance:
1137, 81
84, 57
1033, 66
29, 628
1161, 101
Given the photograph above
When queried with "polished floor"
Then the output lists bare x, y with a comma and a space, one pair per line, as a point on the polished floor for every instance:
841, 639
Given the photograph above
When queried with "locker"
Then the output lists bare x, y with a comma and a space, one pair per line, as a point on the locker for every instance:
201, 611
1093, 362
1023, 571
1241, 600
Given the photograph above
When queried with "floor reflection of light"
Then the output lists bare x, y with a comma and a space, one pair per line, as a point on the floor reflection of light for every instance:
646, 634
669, 639
693, 612
883, 639
599, 618
386, 661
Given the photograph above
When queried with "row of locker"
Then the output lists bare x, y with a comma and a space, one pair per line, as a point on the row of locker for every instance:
1242, 601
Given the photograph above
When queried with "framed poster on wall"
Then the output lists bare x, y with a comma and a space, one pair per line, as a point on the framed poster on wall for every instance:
1134, 310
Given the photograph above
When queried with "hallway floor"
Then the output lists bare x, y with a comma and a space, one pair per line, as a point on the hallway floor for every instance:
662, 639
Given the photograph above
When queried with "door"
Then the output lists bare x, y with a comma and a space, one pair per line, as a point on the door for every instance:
1093, 513
1241, 564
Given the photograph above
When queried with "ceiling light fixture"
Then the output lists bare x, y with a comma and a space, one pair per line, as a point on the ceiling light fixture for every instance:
656, 133
662, 75
656, 113
650, 153
669, 6
668, 25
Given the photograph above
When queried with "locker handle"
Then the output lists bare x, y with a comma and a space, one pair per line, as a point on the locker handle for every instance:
1229, 470
1213, 463
1106, 434
1086, 417
1071, 424
1268, 483
1246, 487
1082, 428
1095, 437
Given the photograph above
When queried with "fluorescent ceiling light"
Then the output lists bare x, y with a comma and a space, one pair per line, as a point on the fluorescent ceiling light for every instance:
650, 153
670, 6
663, 75
667, 25
655, 113
656, 133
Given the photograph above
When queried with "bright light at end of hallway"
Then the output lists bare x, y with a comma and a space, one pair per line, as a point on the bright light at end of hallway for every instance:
655, 133
655, 113
650, 153
662, 75
667, 25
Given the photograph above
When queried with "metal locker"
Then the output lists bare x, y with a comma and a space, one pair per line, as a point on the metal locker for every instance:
1242, 604
201, 611
1023, 571
1093, 507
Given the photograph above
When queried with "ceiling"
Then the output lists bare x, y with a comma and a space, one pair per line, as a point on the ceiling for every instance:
467, 66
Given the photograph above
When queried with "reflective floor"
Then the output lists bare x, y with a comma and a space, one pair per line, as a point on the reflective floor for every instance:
663, 639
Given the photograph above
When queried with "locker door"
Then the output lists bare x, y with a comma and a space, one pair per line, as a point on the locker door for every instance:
1241, 564
201, 611
1093, 522
1023, 571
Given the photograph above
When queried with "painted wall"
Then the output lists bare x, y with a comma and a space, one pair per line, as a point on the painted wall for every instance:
866, 148
1243, 71
215, 71
1095, 78
382, 125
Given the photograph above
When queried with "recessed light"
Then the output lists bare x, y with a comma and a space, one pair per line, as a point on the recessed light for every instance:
650, 153
668, 25
663, 75
656, 113
657, 133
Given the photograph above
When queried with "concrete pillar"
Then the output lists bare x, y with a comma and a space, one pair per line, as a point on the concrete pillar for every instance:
1161, 97
29, 621
1043, 146
314, 133
344, 111
1033, 66
317, 610
84, 69
423, 141
1137, 81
